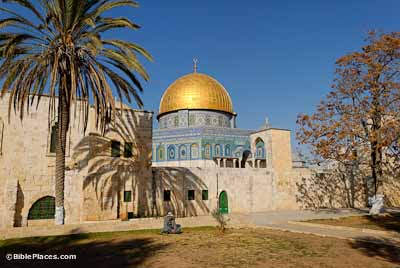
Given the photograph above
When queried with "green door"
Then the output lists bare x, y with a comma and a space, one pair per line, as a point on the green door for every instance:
223, 203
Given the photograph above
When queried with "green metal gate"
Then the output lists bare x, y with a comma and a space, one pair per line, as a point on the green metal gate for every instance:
223, 203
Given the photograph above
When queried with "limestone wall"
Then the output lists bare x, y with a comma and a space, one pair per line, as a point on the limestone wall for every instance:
27, 166
391, 189
248, 190
338, 188
108, 177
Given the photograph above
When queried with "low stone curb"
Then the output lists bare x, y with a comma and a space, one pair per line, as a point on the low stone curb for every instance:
346, 228
99, 227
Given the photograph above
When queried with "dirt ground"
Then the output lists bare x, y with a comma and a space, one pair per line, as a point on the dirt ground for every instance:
202, 247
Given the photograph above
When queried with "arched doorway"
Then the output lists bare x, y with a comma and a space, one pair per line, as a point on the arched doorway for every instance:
223, 203
246, 155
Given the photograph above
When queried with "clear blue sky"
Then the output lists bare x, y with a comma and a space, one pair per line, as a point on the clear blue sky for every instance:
276, 58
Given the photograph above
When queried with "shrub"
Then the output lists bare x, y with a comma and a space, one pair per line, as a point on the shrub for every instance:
221, 219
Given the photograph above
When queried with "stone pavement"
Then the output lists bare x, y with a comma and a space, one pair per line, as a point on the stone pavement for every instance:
280, 217
289, 221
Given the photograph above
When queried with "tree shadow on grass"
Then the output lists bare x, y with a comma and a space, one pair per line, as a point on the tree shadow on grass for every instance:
388, 221
99, 250
378, 247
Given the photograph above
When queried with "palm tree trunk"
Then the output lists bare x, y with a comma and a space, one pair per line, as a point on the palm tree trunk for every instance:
63, 123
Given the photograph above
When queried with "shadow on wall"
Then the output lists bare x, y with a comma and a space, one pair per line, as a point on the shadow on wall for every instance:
101, 250
18, 218
108, 177
178, 181
376, 247
336, 189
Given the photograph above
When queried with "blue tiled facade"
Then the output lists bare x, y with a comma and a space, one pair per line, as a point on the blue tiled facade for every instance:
199, 143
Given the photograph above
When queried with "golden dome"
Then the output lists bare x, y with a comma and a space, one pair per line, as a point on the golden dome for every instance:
196, 91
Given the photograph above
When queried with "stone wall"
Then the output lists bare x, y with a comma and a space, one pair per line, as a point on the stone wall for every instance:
248, 190
108, 177
27, 166
340, 187
391, 189
95, 181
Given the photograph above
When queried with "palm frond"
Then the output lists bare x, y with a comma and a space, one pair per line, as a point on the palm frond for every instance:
64, 51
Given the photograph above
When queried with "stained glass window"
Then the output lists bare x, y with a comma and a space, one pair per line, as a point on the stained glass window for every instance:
217, 150
194, 151
161, 153
207, 151
227, 150
192, 120
208, 120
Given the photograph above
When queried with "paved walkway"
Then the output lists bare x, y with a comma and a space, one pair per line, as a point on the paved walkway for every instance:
290, 221
279, 217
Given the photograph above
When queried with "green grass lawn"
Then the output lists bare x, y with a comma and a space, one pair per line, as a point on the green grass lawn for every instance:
202, 247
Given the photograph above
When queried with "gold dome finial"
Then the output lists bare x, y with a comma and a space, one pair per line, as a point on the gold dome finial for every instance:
195, 61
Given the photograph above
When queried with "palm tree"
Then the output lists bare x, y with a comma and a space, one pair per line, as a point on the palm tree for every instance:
60, 51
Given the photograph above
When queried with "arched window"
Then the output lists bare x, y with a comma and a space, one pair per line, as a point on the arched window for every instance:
44, 208
182, 152
260, 148
176, 121
171, 152
161, 153
218, 150
246, 155
220, 121
227, 150
207, 151
194, 151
